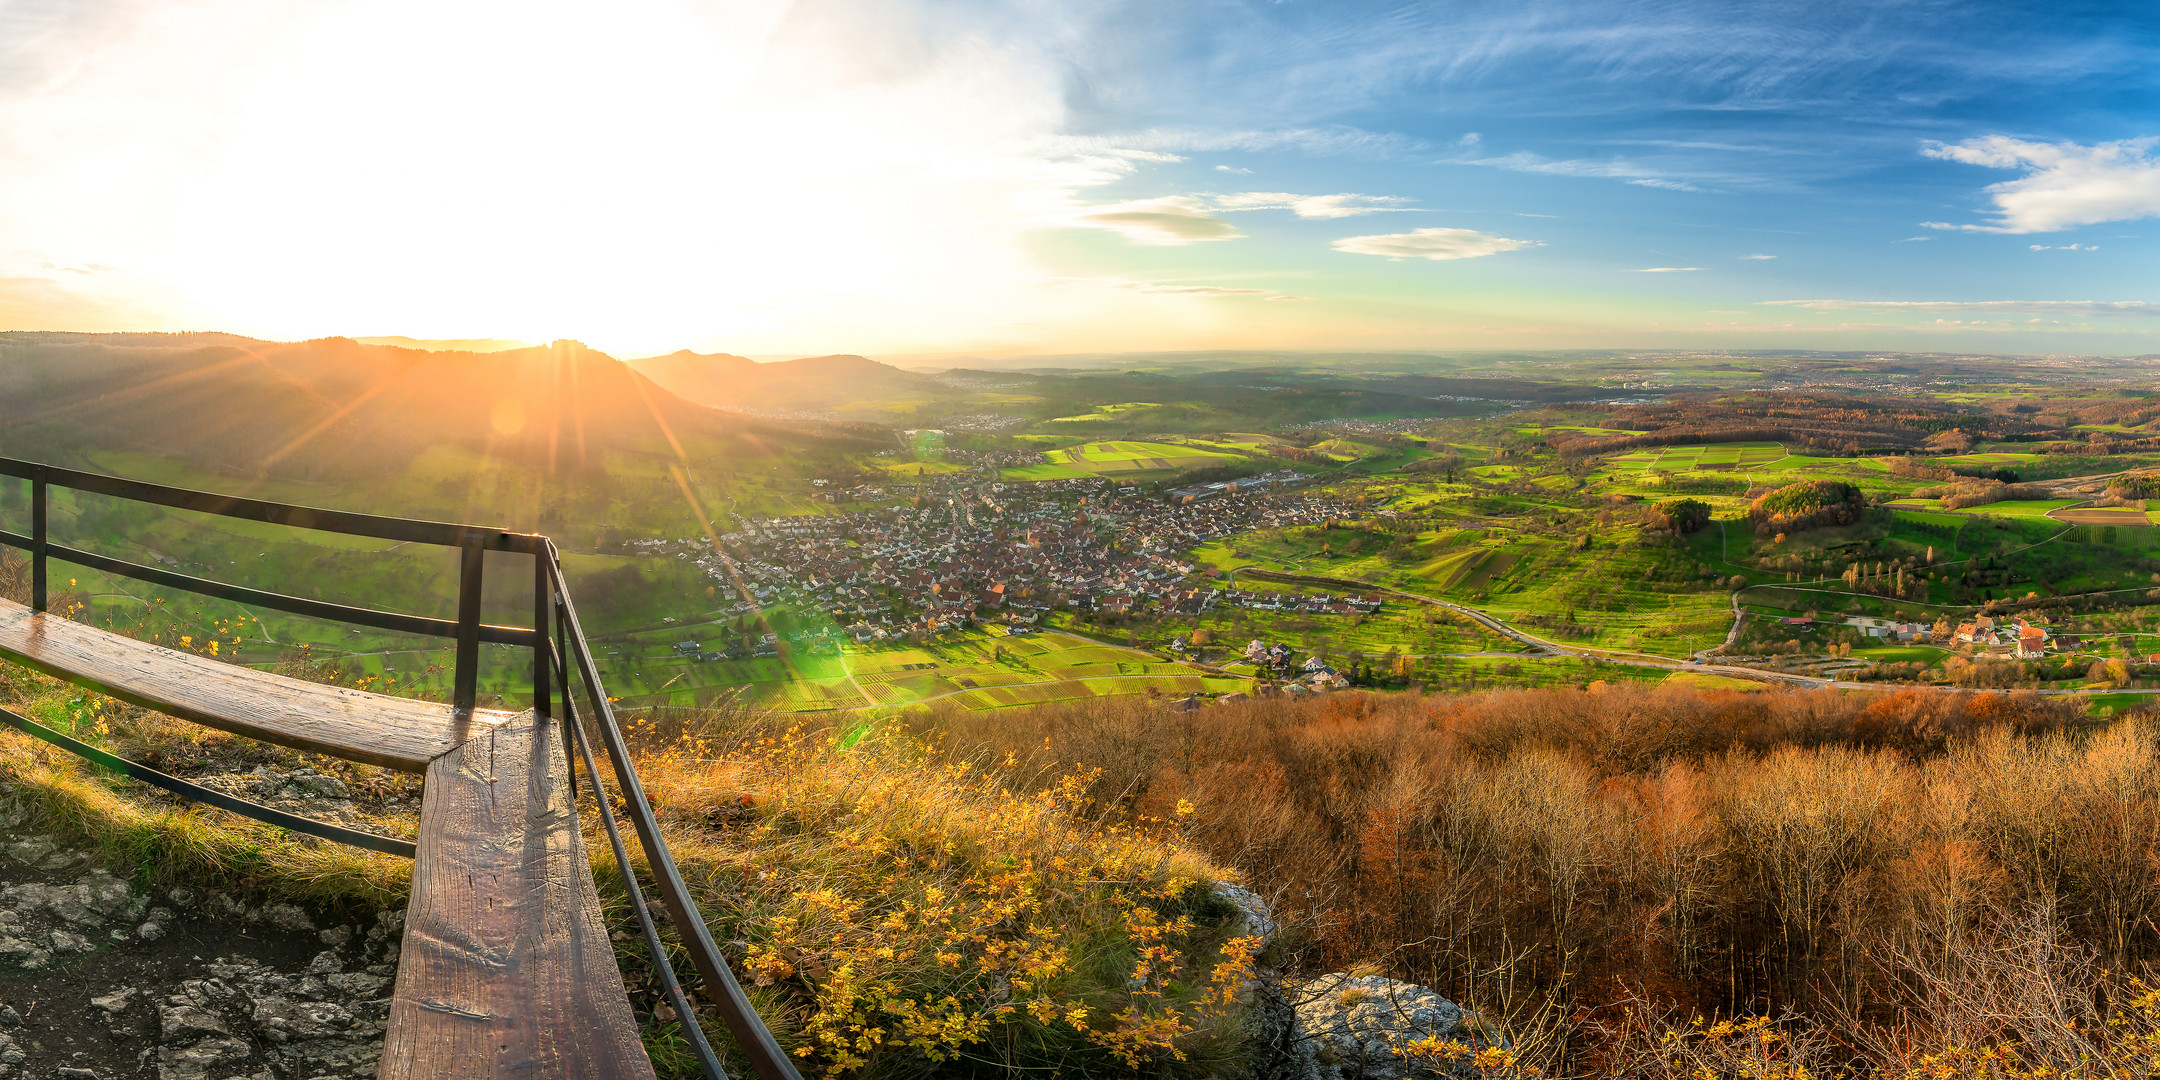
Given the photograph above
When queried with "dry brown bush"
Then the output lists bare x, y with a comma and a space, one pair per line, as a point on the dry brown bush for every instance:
1561, 850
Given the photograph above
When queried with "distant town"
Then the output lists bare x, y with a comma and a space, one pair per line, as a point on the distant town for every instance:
957, 550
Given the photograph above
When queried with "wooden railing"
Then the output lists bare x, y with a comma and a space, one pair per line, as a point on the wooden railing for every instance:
559, 654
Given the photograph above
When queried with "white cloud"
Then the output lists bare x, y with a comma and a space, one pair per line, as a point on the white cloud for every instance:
1758, 256
1667, 269
1233, 169
1168, 221
1668, 185
1432, 244
2137, 308
1310, 206
2065, 184
1913, 240
1470, 138
2064, 247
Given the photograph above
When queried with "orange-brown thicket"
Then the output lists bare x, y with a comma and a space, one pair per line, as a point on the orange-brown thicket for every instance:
1701, 849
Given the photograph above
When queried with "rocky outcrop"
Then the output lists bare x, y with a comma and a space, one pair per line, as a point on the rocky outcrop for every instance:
1353, 1027
1342, 1026
186, 984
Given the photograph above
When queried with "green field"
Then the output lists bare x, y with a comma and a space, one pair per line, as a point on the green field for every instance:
1119, 457
1723, 457
978, 668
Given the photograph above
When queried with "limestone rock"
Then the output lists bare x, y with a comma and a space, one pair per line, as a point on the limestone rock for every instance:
197, 1061
1258, 920
1352, 1027
285, 1019
285, 917
188, 1020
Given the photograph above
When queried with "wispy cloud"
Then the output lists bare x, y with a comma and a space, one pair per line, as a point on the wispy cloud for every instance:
1233, 169
1332, 140
1619, 169
2138, 308
1667, 269
1311, 206
1758, 256
1913, 240
2065, 184
1434, 244
1168, 221
1167, 288
2064, 247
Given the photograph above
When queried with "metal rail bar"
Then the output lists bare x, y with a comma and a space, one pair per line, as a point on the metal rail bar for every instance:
38, 540
661, 964
268, 815
297, 605
472, 541
465, 678
756, 1041
439, 533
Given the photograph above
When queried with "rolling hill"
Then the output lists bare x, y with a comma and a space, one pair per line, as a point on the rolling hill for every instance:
334, 409
845, 383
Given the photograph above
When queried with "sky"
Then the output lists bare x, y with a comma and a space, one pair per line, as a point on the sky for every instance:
924, 178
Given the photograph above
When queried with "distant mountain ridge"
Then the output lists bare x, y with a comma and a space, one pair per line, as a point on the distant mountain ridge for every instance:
727, 381
335, 408
447, 344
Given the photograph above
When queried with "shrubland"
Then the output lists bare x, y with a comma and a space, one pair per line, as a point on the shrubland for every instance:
1899, 882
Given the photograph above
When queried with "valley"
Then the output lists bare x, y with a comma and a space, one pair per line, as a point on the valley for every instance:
1093, 541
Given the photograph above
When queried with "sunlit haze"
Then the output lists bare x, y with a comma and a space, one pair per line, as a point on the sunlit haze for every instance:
914, 179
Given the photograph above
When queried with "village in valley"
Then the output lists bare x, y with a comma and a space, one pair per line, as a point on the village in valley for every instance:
1529, 546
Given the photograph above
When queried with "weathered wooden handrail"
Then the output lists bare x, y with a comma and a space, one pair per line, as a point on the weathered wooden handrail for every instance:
560, 652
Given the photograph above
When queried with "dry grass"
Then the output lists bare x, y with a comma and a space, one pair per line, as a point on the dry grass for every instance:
166, 840
904, 916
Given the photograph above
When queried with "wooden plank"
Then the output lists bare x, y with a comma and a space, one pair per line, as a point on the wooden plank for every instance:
506, 969
397, 733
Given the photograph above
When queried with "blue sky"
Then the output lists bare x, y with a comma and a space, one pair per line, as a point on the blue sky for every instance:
901, 178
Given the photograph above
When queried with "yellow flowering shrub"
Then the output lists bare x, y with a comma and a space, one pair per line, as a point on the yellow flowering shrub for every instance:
897, 913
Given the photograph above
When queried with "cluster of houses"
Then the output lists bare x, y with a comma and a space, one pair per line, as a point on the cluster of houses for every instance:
1277, 661
822, 641
1203, 492
1990, 635
2027, 641
1320, 604
959, 552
